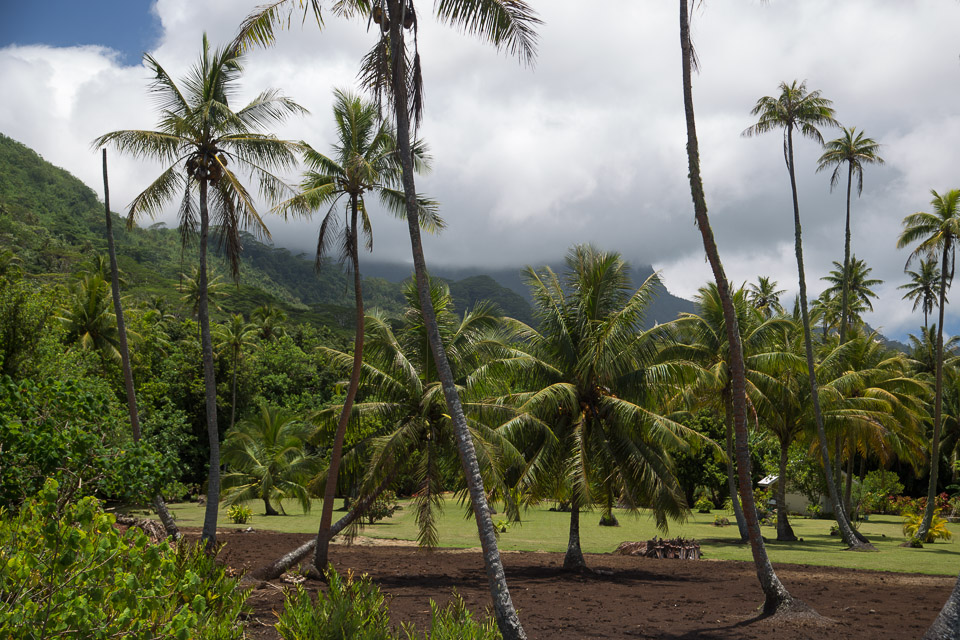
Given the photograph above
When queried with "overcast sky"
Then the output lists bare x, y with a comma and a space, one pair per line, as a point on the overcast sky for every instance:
587, 145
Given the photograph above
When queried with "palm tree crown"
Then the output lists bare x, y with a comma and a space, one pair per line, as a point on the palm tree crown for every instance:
924, 287
794, 108
765, 296
853, 149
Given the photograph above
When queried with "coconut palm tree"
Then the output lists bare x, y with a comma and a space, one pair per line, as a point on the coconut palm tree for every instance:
776, 596
936, 234
702, 340
115, 280
923, 288
853, 284
796, 109
87, 316
364, 161
765, 296
585, 383
267, 460
233, 336
405, 396
392, 69
269, 319
199, 134
854, 150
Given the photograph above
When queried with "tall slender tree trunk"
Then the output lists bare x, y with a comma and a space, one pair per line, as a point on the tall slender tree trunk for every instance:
848, 488
784, 530
731, 471
573, 560
937, 407
849, 536
776, 596
844, 296
506, 616
233, 386
168, 524
209, 534
336, 453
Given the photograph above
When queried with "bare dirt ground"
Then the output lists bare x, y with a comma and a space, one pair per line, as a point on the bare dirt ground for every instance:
630, 598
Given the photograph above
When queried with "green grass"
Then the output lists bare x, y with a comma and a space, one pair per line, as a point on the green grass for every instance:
544, 530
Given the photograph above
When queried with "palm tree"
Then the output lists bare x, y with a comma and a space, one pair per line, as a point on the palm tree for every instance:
765, 296
702, 340
269, 320
936, 234
199, 134
168, 523
364, 160
88, 319
776, 596
393, 69
853, 283
855, 150
405, 397
233, 336
267, 458
796, 109
924, 287
192, 292
585, 382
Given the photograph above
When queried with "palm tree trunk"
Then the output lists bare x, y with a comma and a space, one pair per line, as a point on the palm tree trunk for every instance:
731, 472
573, 560
168, 524
209, 534
336, 453
937, 408
848, 488
947, 623
233, 386
268, 508
784, 530
282, 564
504, 612
776, 596
850, 538
844, 296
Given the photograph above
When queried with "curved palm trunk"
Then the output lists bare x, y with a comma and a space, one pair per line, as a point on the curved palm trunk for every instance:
506, 615
784, 530
776, 596
268, 508
937, 407
168, 524
850, 537
209, 534
844, 296
336, 453
282, 564
947, 623
731, 471
848, 487
573, 560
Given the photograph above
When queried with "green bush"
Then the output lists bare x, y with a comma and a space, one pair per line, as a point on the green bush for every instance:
721, 521
355, 610
69, 572
703, 505
383, 507
239, 514
938, 526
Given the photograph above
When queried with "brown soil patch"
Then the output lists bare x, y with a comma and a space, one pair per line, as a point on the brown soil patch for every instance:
630, 598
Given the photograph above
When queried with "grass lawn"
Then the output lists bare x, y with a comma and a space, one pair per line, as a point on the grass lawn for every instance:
544, 530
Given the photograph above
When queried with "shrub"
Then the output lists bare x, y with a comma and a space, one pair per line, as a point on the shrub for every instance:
720, 521
383, 507
814, 511
938, 526
703, 505
239, 514
355, 609
69, 572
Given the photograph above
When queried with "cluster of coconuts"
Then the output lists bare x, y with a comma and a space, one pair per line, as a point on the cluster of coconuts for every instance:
206, 167
380, 17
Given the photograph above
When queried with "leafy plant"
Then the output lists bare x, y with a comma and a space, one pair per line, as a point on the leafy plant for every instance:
455, 622
383, 507
502, 525
814, 511
938, 526
721, 521
239, 514
703, 505
67, 571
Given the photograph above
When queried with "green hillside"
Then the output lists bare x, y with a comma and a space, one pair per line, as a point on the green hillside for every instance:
53, 222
